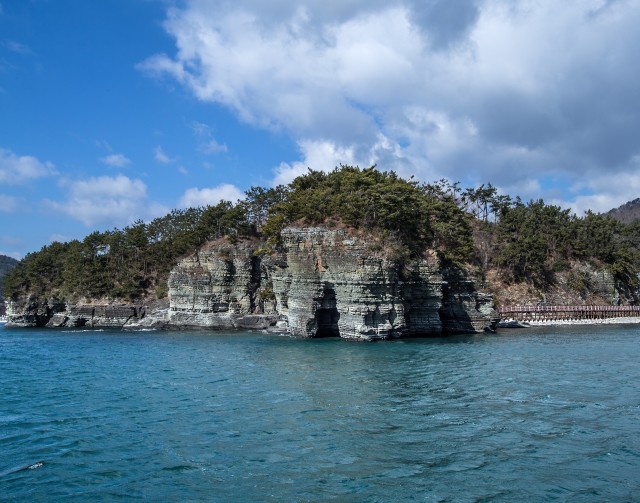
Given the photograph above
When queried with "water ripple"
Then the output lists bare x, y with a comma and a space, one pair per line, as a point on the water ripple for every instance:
542, 415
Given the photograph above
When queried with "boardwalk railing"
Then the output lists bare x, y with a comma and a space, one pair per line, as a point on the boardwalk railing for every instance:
543, 312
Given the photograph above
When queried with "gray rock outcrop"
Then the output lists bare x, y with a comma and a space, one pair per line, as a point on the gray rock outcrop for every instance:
54, 313
321, 282
324, 282
220, 287
334, 284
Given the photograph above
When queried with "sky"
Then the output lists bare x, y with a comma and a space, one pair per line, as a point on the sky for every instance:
117, 110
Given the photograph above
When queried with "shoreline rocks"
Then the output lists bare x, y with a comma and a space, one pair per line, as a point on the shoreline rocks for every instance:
323, 282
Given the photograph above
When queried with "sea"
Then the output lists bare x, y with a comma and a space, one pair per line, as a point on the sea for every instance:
537, 414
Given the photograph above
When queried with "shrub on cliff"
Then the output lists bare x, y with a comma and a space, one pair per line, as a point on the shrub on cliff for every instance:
533, 241
123, 264
525, 242
376, 200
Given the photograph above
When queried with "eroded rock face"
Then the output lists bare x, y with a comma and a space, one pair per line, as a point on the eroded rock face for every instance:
33, 312
334, 284
324, 282
102, 316
220, 287
465, 309
55, 313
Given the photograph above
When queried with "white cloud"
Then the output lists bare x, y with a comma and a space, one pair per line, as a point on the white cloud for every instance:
16, 170
606, 192
109, 200
505, 91
209, 144
319, 155
195, 197
116, 160
183, 170
213, 147
161, 156
201, 129
8, 204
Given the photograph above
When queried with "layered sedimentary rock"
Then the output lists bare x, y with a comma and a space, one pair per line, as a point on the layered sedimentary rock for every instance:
56, 313
104, 316
334, 284
465, 309
6, 264
323, 283
32, 312
220, 287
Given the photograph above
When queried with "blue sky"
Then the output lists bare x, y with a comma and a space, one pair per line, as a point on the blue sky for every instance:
115, 110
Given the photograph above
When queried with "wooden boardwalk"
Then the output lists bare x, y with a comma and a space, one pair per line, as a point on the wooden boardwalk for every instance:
557, 313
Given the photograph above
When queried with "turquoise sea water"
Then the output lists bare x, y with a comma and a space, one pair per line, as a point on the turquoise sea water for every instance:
528, 415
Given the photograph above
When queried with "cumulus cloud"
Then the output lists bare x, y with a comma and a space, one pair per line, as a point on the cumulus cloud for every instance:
109, 200
314, 153
16, 169
475, 90
603, 192
194, 197
115, 160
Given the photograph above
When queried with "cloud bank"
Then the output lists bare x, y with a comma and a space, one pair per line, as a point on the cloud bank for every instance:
194, 197
516, 92
109, 200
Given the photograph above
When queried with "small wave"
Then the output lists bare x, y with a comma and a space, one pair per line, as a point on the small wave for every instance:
80, 330
32, 466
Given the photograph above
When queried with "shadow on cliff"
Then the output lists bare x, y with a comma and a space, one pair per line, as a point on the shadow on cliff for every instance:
464, 310
327, 316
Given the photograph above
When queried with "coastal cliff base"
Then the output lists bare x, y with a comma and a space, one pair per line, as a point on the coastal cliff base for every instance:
321, 283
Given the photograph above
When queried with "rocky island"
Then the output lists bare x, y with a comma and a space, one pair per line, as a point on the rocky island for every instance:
324, 282
359, 254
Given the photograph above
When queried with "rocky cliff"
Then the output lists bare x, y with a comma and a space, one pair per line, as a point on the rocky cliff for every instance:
322, 282
221, 286
55, 313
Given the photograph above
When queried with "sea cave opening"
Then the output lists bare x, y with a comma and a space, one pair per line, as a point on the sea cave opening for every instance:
327, 315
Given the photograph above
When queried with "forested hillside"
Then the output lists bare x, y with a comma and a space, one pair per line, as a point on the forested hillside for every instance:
522, 242
6, 264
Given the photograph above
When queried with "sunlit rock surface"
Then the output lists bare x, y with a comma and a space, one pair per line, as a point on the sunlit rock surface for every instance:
324, 282
321, 282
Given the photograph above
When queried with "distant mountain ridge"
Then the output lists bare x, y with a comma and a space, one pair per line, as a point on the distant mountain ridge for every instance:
6, 264
627, 213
